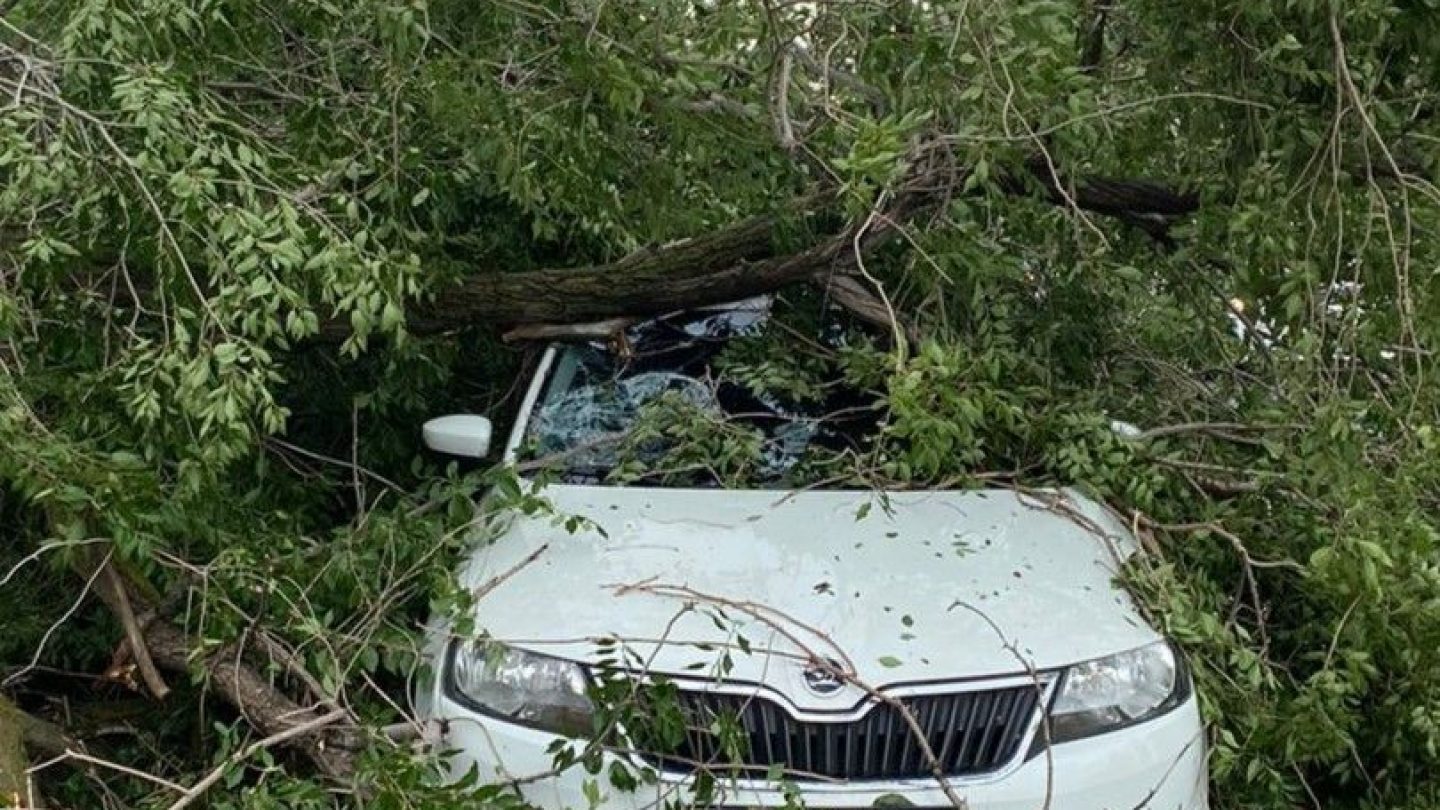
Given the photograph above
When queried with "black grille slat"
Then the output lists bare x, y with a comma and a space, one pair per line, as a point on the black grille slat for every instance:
695, 737
832, 737
929, 719
786, 735
1002, 730
847, 760
987, 731
807, 751
966, 730
1016, 724
970, 733
892, 730
907, 736
953, 712
763, 709
1021, 722
874, 742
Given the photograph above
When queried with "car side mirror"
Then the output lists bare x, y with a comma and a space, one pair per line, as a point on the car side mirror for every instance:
1125, 430
461, 435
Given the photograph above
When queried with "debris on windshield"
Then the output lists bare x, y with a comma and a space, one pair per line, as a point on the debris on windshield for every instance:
702, 380
607, 409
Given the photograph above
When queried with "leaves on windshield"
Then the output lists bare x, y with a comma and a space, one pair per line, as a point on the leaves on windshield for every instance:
705, 401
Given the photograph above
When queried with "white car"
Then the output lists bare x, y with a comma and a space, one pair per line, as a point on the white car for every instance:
925, 649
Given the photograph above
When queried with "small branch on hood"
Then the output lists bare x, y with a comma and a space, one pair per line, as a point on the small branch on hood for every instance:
1034, 674
499, 579
772, 618
763, 613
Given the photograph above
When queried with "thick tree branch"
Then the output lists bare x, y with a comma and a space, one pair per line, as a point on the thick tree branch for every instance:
834, 77
1110, 196
134, 632
42, 736
726, 265
264, 706
1145, 204
21, 733
851, 293
14, 781
780, 101
741, 260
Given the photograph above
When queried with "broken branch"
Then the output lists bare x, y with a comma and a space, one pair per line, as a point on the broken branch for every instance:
745, 259
134, 633
262, 704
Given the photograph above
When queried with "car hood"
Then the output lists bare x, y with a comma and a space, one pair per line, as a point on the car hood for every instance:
904, 587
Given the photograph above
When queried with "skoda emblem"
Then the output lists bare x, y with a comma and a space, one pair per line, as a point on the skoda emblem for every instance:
824, 678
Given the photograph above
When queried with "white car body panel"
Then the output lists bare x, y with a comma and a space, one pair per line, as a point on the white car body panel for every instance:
887, 592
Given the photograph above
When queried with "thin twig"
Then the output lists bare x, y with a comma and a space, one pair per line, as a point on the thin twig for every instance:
288, 734
1040, 684
295, 448
1213, 428
39, 552
79, 600
79, 756
355, 468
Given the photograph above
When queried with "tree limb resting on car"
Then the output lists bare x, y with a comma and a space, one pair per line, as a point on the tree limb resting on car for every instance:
748, 258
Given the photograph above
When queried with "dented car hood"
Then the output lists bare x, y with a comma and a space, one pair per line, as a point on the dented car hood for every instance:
904, 587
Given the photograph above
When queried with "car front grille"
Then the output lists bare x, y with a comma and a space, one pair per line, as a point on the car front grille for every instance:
970, 733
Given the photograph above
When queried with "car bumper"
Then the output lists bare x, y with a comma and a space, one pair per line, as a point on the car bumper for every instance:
1159, 764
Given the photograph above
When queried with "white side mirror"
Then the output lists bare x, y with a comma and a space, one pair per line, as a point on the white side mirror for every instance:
461, 434
1125, 430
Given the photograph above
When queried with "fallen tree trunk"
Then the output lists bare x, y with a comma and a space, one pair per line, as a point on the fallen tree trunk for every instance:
667, 280
744, 259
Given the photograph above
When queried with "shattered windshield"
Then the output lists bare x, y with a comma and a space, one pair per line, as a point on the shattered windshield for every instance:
699, 400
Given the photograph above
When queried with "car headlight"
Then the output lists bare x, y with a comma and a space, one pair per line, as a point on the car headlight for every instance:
1118, 691
520, 686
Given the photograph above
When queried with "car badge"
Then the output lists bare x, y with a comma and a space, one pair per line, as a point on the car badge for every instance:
824, 678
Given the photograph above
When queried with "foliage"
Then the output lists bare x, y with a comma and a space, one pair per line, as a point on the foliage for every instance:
194, 194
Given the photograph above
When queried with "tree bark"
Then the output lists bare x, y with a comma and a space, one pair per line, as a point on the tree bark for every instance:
668, 281
22, 733
738, 261
264, 706
724, 265
269, 710
14, 781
